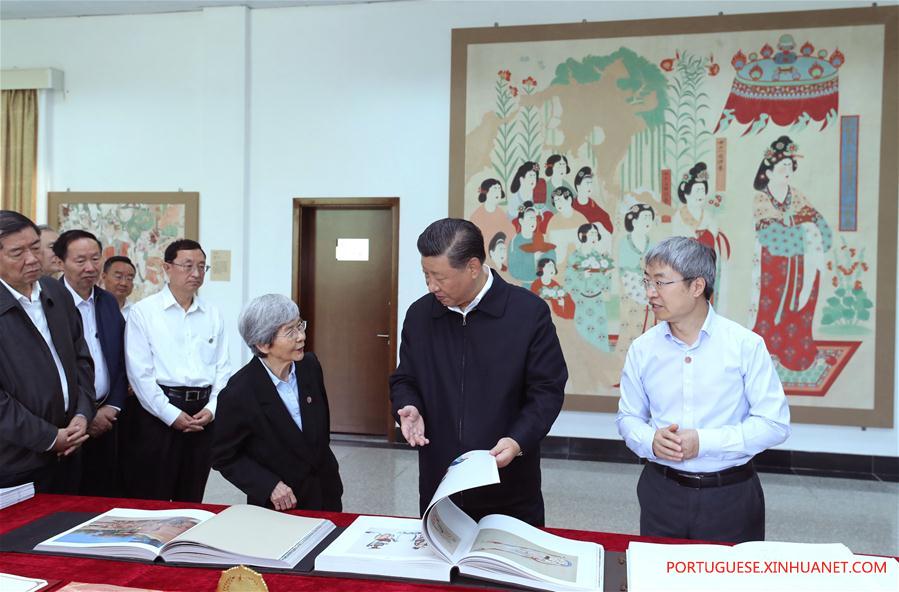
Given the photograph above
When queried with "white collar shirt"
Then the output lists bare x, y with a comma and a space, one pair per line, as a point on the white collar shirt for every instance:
88, 310
126, 310
35, 311
477, 299
724, 386
288, 391
164, 344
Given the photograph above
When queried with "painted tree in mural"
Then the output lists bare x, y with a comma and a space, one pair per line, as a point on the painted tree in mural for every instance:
687, 134
529, 135
622, 94
506, 149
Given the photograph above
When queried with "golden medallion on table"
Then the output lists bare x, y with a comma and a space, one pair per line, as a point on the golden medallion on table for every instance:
241, 579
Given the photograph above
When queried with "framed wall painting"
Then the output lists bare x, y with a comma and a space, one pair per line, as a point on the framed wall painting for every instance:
138, 225
772, 138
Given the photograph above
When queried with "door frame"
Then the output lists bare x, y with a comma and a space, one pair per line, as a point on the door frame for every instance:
299, 257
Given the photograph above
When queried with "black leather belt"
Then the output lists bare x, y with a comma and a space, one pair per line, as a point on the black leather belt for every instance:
706, 480
187, 393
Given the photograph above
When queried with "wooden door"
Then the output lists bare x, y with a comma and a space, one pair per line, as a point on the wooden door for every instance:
350, 306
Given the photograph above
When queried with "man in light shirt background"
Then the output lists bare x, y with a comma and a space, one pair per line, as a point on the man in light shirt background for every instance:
699, 398
118, 279
177, 361
104, 333
46, 371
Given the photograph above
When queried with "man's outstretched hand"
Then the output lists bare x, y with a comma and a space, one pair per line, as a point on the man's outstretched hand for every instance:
412, 425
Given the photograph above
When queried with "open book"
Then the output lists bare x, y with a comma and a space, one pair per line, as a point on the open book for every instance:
240, 534
498, 548
756, 565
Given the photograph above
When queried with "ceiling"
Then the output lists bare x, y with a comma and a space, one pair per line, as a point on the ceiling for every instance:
23, 9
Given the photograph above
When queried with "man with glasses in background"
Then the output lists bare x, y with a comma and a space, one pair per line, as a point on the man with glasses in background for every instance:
177, 360
699, 398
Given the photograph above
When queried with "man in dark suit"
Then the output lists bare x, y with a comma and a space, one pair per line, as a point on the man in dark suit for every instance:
273, 435
46, 371
481, 368
104, 333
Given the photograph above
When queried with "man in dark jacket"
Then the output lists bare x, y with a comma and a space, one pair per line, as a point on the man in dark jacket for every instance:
46, 372
104, 334
481, 368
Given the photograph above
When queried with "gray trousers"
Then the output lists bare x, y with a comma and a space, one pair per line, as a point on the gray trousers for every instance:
732, 513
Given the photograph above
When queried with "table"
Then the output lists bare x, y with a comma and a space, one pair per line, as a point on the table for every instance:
144, 575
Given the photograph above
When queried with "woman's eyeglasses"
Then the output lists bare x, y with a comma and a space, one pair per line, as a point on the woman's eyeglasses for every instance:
295, 331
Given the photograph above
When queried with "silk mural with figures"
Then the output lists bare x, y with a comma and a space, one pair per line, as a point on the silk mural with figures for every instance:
581, 154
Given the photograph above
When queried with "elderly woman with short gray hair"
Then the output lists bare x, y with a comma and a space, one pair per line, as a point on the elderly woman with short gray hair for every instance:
272, 436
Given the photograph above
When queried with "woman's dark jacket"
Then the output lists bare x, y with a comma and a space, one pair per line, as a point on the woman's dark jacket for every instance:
257, 443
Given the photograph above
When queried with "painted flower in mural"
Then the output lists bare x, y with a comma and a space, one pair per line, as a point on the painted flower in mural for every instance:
529, 81
836, 60
850, 304
513, 90
505, 75
712, 67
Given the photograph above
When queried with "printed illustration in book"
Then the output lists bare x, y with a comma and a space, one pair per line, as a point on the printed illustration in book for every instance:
581, 154
497, 548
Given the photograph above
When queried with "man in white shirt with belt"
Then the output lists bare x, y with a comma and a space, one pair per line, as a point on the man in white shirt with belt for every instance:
177, 361
104, 333
699, 398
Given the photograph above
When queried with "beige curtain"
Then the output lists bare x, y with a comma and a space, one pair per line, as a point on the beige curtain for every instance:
18, 151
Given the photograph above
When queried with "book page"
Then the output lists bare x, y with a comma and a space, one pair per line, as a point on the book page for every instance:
143, 531
446, 527
246, 531
380, 545
449, 530
508, 545
475, 468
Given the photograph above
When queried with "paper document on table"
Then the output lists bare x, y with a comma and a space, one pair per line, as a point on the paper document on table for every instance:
11, 583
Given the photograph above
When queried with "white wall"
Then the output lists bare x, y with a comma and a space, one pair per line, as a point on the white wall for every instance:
252, 109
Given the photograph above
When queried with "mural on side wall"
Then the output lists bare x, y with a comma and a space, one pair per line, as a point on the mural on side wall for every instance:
579, 155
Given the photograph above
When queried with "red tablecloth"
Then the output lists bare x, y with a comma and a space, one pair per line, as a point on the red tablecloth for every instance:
141, 575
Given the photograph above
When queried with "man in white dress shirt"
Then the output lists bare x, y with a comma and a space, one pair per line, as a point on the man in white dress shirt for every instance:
104, 332
177, 361
699, 398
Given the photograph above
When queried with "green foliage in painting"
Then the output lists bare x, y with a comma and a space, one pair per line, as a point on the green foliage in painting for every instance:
687, 134
644, 78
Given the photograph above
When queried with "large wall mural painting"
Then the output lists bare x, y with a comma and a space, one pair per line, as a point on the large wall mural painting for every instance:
575, 148
137, 225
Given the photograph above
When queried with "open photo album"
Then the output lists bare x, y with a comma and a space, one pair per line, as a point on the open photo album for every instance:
240, 534
497, 548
